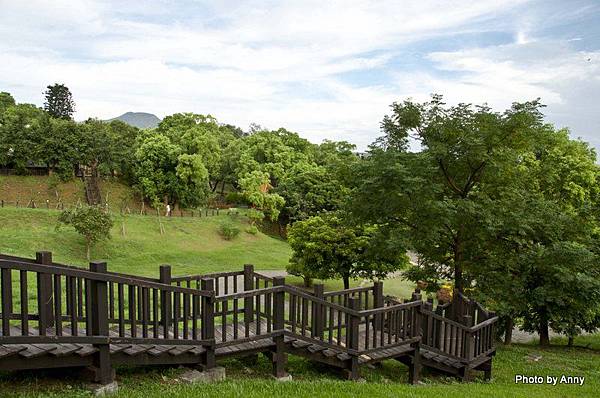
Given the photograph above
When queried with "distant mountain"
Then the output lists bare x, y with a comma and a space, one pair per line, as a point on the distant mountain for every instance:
139, 119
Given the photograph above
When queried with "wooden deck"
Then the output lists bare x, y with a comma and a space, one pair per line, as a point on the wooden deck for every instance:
246, 344
95, 319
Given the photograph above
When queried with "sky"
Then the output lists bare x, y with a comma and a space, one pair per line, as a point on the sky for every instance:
324, 69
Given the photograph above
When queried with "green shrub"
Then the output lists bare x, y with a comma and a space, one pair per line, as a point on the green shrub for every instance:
252, 230
228, 230
255, 216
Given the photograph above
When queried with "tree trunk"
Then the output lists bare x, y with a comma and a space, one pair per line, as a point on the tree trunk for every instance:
543, 328
223, 187
458, 259
570, 343
307, 281
87, 250
509, 331
346, 282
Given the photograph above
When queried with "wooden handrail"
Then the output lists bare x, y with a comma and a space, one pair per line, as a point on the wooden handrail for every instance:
484, 324
104, 277
347, 291
33, 261
395, 307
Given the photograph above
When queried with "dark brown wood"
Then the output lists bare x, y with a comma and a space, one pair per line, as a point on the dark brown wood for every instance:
44, 286
353, 339
101, 362
6, 289
248, 285
317, 315
165, 298
279, 356
343, 329
208, 322
378, 303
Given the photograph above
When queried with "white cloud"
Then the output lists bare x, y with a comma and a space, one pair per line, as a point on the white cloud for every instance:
274, 63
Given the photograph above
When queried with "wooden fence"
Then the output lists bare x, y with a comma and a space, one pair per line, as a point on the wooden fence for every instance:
65, 309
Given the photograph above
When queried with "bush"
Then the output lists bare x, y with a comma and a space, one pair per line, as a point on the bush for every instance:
228, 230
252, 230
255, 216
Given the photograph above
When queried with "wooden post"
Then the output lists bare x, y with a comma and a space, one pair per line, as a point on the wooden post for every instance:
279, 356
165, 299
208, 323
427, 322
469, 347
44, 287
414, 370
7, 307
317, 313
99, 322
248, 285
377, 303
353, 334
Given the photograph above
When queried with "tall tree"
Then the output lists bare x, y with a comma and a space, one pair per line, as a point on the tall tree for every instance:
6, 101
59, 101
436, 194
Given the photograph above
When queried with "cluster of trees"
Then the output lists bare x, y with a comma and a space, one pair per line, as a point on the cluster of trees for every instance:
502, 204
186, 161
50, 137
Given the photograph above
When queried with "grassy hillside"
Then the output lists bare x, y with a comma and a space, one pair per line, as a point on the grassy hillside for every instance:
190, 245
43, 188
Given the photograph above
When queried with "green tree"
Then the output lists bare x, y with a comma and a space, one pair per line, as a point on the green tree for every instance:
192, 180
6, 101
90, 222
436, 194
202, 135
309, 189
59, 101
21, 131
325, 247
499, 202
540, 262
164, 173
255, 188
155, 168
62, 146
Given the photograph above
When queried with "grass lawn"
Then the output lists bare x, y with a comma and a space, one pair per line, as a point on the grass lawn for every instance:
190, 245
311, 380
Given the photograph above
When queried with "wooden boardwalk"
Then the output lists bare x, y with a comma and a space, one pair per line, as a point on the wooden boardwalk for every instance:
94, 319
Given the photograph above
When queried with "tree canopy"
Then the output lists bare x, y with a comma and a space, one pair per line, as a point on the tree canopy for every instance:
59, 101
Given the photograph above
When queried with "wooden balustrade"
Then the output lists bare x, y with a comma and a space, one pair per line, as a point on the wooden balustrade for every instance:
45, 302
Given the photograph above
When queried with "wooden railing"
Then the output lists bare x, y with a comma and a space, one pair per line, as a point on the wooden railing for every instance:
46, 302
69, 299
459, 340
